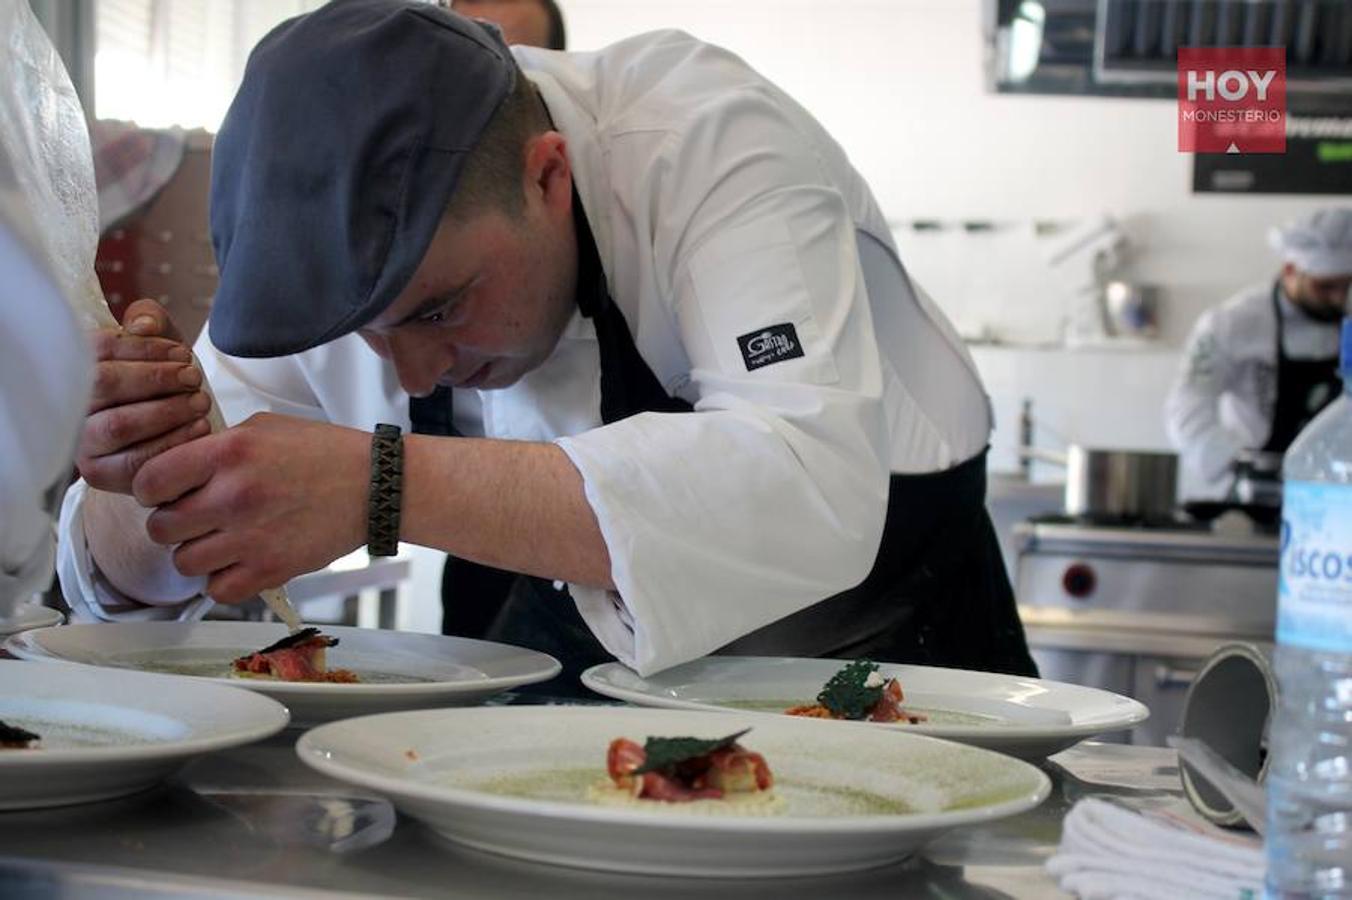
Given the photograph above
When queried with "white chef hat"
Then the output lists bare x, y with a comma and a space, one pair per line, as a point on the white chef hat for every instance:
1319, 245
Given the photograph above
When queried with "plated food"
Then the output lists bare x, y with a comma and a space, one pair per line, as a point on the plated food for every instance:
1026, 717
12, 737
74, 734
718, 773
859, 693
300, 656
554, 784
389, 669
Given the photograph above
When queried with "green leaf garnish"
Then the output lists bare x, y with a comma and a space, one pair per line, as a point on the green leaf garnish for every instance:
845, 694
663, 753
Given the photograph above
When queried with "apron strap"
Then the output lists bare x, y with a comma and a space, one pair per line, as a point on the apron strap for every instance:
1304, 387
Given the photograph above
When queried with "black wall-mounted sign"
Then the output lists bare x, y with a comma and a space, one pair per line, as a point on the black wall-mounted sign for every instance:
1318, 160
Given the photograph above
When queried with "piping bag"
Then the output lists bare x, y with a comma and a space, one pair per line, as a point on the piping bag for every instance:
43, 130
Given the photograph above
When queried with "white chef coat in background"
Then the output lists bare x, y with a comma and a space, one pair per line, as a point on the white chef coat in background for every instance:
1225, 395
46, 226
44, 388
719, 209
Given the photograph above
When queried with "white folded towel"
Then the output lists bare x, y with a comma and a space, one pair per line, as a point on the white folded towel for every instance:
1109, 851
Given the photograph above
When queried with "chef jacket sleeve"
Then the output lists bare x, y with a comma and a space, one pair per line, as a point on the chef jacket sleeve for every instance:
1192, 409
771, 496
92, 598
241, 389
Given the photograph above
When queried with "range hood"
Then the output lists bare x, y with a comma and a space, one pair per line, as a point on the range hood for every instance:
1129, 47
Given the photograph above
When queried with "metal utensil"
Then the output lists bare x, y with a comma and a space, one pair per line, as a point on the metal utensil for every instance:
336, 822
1243, 792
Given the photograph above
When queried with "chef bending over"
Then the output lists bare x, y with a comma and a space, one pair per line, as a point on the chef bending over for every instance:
1259, 367
694, 399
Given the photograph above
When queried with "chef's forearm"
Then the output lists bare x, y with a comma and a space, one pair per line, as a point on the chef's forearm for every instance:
128, 560
515, 505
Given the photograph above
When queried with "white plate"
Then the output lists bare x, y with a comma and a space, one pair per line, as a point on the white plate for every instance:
106, 734
1025, 717
438, 670
29, 615
513, 780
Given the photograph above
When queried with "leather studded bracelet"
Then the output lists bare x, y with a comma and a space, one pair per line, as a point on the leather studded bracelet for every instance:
387, 487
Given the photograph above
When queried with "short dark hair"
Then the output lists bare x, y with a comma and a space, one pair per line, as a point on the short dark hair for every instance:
491, 177
558, 37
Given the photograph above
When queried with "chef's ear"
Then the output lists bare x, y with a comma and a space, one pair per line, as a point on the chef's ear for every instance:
549, 174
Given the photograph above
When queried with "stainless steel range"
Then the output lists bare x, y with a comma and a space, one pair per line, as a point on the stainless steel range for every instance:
1136, 608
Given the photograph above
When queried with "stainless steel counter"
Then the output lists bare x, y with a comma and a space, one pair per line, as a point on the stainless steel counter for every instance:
178, 841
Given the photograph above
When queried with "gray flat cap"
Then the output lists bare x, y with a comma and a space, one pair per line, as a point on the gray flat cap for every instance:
336, 161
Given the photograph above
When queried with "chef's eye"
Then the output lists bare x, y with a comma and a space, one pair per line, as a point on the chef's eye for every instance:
436, 316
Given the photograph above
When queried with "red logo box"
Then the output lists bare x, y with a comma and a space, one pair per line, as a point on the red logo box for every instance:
1232, 99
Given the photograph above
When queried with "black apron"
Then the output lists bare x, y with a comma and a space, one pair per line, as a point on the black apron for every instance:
1304, 388
938, 593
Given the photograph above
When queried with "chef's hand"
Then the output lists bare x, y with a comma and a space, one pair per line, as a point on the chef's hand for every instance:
147, 398
256, 505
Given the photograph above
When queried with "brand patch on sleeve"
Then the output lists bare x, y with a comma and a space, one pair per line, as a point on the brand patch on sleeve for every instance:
769, 345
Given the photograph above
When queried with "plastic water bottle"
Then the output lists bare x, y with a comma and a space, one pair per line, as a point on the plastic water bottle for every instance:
1309, 837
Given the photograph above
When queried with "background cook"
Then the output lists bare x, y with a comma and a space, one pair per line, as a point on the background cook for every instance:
1264, 363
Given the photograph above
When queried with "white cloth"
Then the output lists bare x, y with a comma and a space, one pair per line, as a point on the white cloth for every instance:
44, 360
720, 209
1320, 245
1225, 394
1108, 852
92, 599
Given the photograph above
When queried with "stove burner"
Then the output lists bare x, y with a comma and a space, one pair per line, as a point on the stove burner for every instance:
1145, 523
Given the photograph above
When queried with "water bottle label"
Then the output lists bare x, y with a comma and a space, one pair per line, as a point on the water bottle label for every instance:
1314, 587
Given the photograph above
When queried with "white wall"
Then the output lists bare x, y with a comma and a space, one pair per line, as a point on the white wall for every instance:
900, 84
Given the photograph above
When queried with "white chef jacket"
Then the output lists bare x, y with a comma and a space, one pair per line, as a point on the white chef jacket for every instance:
720, 208
1225, 395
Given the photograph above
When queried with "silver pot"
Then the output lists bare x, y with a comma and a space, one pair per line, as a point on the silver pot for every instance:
1258, 478
1128, 484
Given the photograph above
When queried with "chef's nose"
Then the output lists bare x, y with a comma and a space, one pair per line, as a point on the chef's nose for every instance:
417, 363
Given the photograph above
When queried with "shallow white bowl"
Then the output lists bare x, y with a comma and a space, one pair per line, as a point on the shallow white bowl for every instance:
109, 733
29, 615
1026, 717
448, 670
512, 780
